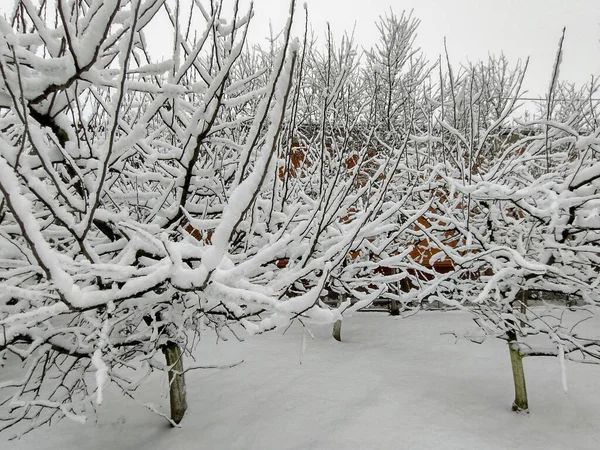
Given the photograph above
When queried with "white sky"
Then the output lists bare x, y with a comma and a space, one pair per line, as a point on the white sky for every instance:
519, 28
473, 28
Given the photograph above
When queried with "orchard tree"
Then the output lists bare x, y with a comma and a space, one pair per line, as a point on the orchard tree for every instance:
526, 223
106, 158
394, 71
145, 203
130, 199
333, 157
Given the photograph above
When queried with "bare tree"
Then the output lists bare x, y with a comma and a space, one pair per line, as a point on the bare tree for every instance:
394, 70
524, 231
126, 187
143, 202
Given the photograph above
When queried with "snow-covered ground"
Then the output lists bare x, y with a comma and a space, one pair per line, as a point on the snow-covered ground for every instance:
393, 384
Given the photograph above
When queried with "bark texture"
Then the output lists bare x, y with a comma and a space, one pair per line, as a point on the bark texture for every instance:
516, 360
177, 394
337, 330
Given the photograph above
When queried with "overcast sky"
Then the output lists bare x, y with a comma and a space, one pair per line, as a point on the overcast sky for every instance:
519, 28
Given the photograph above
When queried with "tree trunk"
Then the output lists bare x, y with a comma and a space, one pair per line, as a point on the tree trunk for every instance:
337, 326
516, 360
400, 287
337, 330
523, 296
177, 392
394, 307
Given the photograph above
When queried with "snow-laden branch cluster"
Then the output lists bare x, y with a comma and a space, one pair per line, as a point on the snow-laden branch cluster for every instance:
145, 202
230, 187
515, 212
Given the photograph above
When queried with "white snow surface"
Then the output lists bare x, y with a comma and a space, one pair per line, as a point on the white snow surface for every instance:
392, 384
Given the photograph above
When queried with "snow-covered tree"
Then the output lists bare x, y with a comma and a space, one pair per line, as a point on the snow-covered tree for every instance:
394, 71
525, 223
132, 209
146, 202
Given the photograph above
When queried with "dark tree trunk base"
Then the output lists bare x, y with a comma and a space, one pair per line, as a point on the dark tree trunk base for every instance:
394, 308
337, 330
177, 394
521, 403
